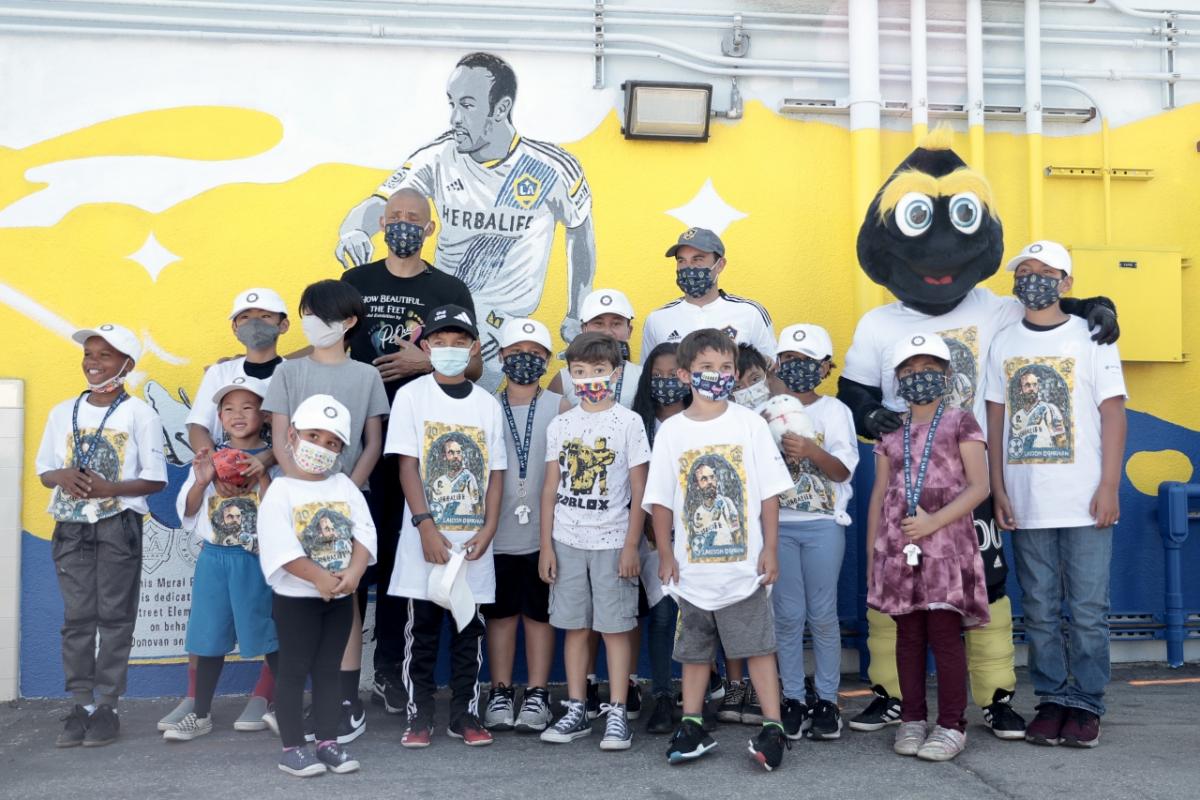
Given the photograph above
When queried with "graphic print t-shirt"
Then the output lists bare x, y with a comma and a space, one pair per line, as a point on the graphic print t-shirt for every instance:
130, 447
595, 452
226, 521
715, 476
204, 411
813, 494
319, 520
457, 444
1052, 384
396, 309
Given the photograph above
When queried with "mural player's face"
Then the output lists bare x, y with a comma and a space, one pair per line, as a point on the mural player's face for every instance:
1029, 388
454, 456
706, 480
471, 117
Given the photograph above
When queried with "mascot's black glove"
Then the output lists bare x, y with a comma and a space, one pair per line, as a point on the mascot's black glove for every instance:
1100, 314
880, 421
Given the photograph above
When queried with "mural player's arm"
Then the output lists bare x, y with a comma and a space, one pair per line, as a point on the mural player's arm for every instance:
581, 272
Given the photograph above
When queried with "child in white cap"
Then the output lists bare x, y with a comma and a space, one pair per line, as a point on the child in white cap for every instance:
102, 454
605, 311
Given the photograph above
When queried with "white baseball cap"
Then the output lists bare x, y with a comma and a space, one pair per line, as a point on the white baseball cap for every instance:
121, 338
250, 384
919, 344
525, 330
605, 301
266, 299
810, 340
1052, 254
323, 413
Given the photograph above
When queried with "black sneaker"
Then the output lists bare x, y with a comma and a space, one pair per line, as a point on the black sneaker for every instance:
795, 718
102, 727
336, 759
353, 723
1000, 716
826, 721
751, 710
810, 692
689, 743
766, 749
661, 718
390, 694
730, 709
75, 730
593, 699
884, 710
633, 702
716, 686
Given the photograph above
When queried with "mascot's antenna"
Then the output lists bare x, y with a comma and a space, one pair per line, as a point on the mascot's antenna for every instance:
940, 138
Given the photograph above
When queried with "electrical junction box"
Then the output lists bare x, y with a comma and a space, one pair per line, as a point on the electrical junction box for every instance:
1146, 285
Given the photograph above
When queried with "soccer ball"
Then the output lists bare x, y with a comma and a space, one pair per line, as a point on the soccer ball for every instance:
785, 414
229, 463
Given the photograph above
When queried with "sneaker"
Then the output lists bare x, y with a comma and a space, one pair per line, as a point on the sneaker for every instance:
574, 724
389, 694
715, 691
102, 728
795, 718
353, 723
661, 718
1082, 729
500, 715
270, 721
884, 710
942, 745
418, 734
177, 713
470, 729
188, 728
910, 737
336, 759
826, 721
767, 748
751, 710
1002, 719
689, 743
535, 713
617, 733
252, 715
1046, 728
633, 702
301, 762
593, 698
75, 730
730, 709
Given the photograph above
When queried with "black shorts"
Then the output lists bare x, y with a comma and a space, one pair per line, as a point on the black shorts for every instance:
519, 589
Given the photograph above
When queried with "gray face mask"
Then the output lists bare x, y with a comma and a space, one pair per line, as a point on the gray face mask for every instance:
257, 333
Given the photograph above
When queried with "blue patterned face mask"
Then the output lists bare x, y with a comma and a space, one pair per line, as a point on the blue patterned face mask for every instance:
714, 385
668, 391
800, 374
920, 388
694, 281
524, 368
1036, 291
404, 238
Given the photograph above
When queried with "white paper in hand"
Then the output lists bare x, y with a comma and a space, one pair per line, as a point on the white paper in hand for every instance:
448, 588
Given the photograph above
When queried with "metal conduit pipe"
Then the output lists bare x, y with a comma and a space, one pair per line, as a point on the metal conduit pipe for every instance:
920, 87
1033, 113
975, 82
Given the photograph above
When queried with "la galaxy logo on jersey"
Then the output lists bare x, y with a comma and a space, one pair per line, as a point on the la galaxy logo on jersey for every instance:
527, 184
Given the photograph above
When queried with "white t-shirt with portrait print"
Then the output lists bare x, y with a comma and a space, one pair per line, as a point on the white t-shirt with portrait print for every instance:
458, 444
320, 520
815, 495
595, 451
1052, 383
227, 521
715, 475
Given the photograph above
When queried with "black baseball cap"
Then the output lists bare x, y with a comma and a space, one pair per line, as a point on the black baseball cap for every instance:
450, 317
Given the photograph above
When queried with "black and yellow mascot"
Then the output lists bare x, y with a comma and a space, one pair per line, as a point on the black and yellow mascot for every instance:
930, 236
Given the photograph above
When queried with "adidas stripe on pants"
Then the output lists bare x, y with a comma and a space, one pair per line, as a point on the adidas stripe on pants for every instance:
422, 640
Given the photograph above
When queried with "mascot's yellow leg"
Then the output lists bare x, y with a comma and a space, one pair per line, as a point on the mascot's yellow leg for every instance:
989, 654
882, 645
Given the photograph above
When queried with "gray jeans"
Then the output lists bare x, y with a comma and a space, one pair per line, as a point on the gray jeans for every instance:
99, 569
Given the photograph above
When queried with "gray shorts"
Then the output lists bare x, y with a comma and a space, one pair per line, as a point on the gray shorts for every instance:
745, 629
589, 592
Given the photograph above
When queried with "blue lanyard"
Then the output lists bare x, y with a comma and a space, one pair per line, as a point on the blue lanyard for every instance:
912, 494
521, 446
82, 457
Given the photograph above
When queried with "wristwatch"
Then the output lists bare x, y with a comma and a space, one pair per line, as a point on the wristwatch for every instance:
417, 519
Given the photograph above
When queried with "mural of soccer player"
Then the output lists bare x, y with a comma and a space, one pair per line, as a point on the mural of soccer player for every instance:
499, 197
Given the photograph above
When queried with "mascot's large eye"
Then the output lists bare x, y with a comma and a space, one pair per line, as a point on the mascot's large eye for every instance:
966, 212
914, 214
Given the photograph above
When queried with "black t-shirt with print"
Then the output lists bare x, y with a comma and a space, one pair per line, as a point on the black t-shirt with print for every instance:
397, 308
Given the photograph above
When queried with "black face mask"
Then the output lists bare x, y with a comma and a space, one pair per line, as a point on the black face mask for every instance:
800, 374
919, 388
668, 391
1036, 291
524, 368
694, 281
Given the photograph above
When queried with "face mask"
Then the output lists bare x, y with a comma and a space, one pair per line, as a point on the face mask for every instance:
524, 368
404, 238
312, 458
919, 388
1036, 291
320, 333
694, 281
668, 391
800, 374
624, 350
594, 390
714, 385
257, 333
753, 395
112, 384
450, 361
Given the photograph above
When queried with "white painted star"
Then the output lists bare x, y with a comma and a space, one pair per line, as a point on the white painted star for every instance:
153, 257
707, 210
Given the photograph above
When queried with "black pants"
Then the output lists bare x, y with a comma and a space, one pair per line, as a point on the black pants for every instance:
422, 640
387, 512
312, 636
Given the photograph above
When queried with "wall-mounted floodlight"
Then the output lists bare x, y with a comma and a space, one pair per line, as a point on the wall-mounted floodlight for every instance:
674, 111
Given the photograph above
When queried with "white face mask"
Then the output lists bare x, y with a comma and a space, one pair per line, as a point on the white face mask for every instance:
321, 333
450, 361
753, 395
312, 458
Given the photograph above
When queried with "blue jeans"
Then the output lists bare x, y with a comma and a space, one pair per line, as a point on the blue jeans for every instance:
661, 633
1072, 565
810, 559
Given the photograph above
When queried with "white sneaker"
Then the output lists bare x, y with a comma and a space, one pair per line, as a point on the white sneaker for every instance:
910, 736
270, 721
252, 716
500, 714
188, 728
179, 712
942, 745
535, 714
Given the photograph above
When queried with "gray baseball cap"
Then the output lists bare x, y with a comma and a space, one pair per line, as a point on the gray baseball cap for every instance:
699, 238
